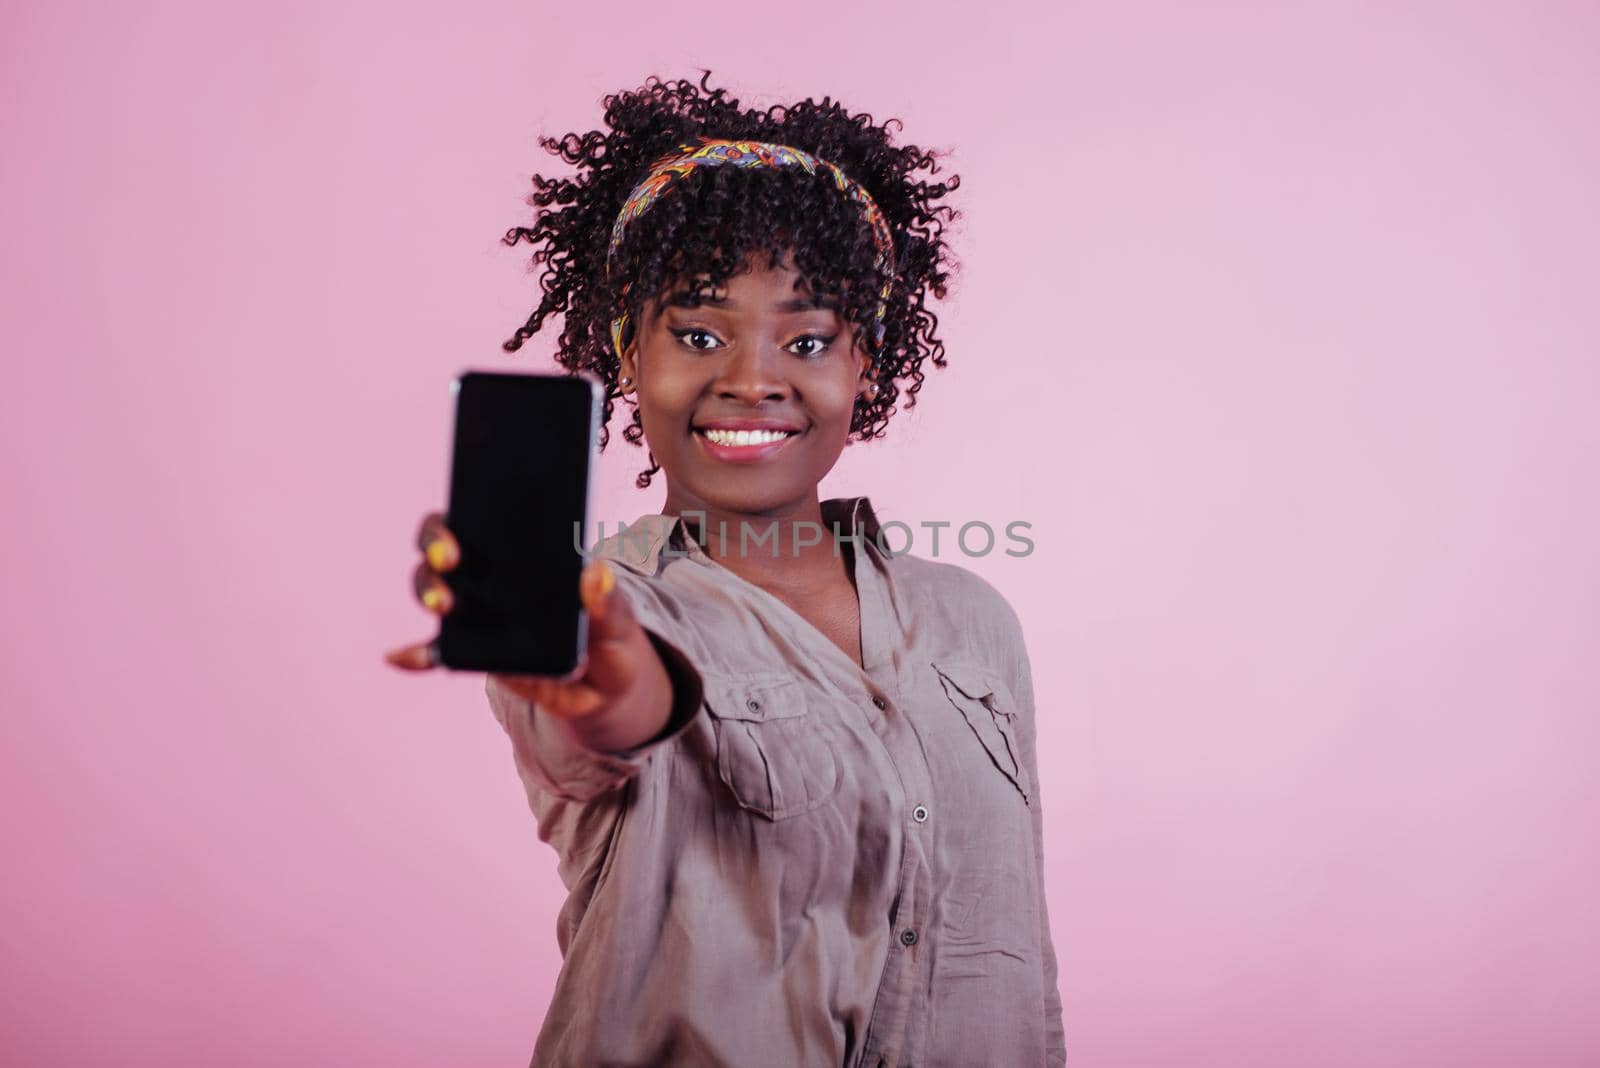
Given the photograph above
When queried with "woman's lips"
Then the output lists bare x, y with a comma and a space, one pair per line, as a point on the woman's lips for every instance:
742, 447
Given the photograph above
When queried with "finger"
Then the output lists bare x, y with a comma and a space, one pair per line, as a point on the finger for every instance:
431, 590
438, 544
567, 700
572, 700
418, 657
610, 616
617, 647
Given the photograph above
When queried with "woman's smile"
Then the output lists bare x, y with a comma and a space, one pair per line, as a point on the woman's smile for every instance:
743, 441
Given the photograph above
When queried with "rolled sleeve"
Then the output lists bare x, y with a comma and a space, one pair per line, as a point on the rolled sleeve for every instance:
549, 759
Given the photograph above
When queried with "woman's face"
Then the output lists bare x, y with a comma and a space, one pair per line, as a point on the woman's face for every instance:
756, 356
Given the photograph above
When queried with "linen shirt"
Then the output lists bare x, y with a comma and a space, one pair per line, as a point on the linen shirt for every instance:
817, 862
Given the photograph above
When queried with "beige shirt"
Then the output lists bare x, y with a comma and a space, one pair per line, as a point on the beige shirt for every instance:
815, 864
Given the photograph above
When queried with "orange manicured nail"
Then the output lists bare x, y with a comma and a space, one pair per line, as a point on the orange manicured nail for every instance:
608, 581
433, 597
438, 556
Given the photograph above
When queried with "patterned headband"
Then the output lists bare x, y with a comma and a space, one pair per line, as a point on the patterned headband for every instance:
709, 153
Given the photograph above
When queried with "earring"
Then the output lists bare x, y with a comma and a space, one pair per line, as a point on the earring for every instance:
874, 389
624, 383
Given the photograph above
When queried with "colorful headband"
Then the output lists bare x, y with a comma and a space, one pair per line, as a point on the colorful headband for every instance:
710, 153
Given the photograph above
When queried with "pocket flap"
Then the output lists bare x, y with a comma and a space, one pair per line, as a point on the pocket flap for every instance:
986, 705
753, 697
973, 681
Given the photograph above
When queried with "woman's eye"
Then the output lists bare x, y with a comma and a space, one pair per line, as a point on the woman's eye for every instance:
821, 343
818, 343
693, 331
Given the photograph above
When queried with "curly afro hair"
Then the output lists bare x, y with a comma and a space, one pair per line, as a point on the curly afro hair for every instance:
715, 219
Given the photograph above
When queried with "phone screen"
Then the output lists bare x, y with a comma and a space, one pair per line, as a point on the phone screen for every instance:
519, 495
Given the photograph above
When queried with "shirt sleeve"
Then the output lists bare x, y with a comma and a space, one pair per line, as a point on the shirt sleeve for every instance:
1022, 690
552, 762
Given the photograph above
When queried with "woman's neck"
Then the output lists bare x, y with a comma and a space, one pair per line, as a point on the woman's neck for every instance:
784, 549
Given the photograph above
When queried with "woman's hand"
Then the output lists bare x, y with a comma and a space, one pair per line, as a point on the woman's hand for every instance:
621, 670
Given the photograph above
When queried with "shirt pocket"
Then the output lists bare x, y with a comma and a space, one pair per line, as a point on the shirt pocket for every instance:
987, 708
772, 751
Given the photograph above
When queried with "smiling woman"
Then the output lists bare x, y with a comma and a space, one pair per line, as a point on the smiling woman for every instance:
793, 791
746, 398
687, 189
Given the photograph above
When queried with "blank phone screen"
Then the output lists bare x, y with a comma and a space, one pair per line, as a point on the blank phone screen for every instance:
519, 488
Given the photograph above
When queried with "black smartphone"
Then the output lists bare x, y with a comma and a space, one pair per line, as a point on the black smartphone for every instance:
524, 448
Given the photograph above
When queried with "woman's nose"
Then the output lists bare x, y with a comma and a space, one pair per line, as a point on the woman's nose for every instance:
754, 375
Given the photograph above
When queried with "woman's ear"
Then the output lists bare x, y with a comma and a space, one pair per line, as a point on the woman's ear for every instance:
864, 383
628, 363
628, 375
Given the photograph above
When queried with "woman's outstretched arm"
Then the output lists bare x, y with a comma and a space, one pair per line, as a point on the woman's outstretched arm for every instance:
575, 740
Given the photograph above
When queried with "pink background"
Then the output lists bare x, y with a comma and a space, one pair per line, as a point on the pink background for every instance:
1278, 322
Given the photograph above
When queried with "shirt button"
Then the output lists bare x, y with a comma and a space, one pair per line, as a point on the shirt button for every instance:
880, 702
920, 814
908, 937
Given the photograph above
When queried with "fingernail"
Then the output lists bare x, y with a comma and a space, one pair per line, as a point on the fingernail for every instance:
438, 555
433, 597
600, 581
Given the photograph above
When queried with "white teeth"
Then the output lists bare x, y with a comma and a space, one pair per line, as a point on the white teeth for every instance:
745, 437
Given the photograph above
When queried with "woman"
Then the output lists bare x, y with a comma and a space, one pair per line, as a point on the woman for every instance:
793, 789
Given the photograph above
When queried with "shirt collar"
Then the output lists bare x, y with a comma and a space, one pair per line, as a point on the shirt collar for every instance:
640, 545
